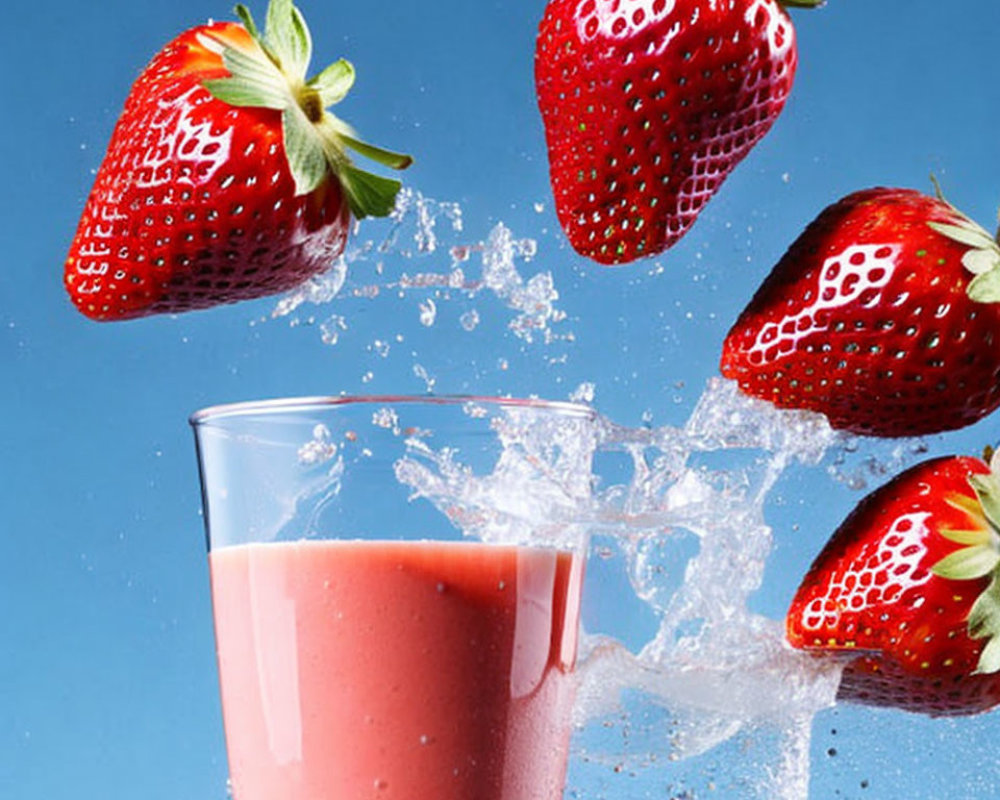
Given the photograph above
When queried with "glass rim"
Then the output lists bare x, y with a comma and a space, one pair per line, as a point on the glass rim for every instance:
264, 408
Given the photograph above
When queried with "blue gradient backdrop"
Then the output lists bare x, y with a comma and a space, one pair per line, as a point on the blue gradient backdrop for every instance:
107, 674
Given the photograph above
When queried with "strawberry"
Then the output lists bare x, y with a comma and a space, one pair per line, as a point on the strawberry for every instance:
226, 178
907, 590
649, 104
883, 315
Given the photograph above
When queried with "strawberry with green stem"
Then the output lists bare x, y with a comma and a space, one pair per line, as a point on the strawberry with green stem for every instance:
908, 592
884, 315
649, 104
226, 177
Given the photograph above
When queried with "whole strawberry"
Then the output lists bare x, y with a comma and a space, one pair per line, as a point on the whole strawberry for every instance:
225, 178
649, 104
907, 590
883, 315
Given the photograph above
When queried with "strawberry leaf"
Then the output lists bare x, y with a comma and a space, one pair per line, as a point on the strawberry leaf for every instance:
368, 194
984, 623
967, 563
985, 288
989, 659
378, 154
966, 233
249, 86
239, 92
967, 537
306, 159
981, 261
966, 503
253, 65
987, 489
254, 80
334, 82
287, 34
248, 22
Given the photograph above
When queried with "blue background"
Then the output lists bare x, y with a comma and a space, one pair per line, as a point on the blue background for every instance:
107, 674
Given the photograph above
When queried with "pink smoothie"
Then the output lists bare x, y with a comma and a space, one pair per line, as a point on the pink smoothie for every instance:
396, 670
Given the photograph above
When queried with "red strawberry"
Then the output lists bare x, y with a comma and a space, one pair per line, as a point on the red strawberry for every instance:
225, 178
649, 104
908, 588
883, 315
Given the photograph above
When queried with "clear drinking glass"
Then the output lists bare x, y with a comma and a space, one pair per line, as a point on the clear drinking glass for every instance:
396, 586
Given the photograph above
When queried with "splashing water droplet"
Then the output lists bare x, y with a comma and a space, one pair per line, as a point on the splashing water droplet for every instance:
319, 450
428, 312
318, 290
331, 329
469, 320
584, 393
425, 376
386, 418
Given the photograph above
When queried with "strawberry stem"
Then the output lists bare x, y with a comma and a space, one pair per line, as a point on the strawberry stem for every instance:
938, 191
802, 3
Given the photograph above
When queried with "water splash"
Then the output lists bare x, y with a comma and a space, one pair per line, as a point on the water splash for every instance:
714, 670
584, 393
683, 509
420, 371
714, 673
416, 231
319, 449
860, 468
538, 490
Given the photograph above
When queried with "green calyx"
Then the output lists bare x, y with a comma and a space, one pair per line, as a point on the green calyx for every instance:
982, 258
979, 557
272, 73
